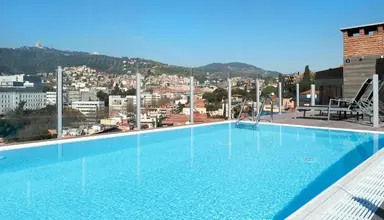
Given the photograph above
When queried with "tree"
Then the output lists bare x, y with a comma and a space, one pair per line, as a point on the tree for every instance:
308, 79
307, 73
220, 94
267, 91
27, 125
179, 108
241, 92
116, 90
102, 96
289, 86
131, 91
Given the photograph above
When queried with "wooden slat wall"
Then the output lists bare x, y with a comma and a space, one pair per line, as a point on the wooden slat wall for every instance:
356, 72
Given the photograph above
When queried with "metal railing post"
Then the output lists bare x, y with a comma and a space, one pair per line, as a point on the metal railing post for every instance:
280, 98
297, 98
191, 97
138, 101
257, 95
229, 96
59, 103
375, 100
313, 94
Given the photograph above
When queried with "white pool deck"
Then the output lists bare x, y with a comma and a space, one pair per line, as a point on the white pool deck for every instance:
357, 195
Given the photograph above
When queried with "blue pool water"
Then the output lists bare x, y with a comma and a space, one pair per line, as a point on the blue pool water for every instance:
207, 172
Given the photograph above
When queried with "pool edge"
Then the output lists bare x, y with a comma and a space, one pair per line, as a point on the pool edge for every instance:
318, 205
41, 143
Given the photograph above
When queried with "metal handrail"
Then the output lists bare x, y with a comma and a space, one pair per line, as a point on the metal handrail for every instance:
262, 109
259, 111
241, 111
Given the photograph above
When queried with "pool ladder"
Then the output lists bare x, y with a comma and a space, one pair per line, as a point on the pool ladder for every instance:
259, 111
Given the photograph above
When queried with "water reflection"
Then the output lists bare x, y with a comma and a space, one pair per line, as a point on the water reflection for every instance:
258, 141
297, 134
281, 137
138, 159
28, 192
83, 180
329, 137
191, 148
375, 143
229, 141
59, 151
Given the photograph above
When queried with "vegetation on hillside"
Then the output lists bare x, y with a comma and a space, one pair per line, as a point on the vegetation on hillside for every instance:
22, 125
32, 60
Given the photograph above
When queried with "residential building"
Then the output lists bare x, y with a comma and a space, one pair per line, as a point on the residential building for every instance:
73, 96
199, 106
88, 96
122, 105
306, 97
150, 98
10, 98
182, 119
50, 98
10, 84
12, 78
92, 110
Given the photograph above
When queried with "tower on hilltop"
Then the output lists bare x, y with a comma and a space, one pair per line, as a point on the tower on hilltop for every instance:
38, 45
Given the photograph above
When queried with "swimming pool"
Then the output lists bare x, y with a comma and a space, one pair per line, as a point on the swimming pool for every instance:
211, 172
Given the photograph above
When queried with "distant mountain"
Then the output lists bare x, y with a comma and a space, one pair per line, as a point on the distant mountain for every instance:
31, 60
237, 69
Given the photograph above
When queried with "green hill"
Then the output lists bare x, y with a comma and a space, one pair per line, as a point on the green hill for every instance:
31, 60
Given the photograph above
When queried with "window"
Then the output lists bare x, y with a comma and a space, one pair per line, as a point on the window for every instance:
370, 30
354, 32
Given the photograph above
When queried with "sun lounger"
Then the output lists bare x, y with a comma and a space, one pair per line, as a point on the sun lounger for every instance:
339, 105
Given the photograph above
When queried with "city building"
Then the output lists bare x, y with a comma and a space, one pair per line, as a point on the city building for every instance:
150, 98
21, 80
363, 48
363, 56
121, 105
199, 106
92, 110
88, 96
12, 78
50, 98
73, 96
305, 97
10, 98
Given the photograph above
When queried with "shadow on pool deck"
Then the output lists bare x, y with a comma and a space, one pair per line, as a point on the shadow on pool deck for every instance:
348, 162
379, 212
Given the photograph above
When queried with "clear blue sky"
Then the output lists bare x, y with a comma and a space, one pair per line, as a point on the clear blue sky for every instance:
277, 35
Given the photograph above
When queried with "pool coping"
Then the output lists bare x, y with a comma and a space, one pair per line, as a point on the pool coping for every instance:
328, 198
41, 143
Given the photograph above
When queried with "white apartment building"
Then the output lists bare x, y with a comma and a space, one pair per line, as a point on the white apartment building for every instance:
13, 78
122, 105
150, 98
50, 98
10, 98
90, 109
73, 96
